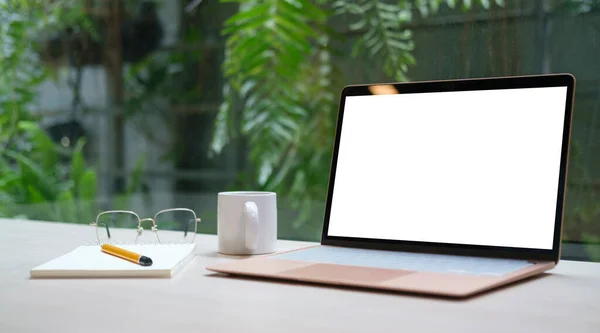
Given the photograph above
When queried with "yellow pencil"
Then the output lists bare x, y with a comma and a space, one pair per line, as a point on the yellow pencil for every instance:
127, 255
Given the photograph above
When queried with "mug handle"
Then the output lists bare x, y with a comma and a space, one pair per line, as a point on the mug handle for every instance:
251, 213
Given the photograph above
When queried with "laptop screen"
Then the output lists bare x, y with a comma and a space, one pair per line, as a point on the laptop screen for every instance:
477, 167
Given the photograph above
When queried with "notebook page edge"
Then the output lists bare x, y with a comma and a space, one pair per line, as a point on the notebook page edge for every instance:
183, 262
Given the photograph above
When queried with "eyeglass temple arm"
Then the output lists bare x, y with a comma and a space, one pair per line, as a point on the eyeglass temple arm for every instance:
187, 227
107, 229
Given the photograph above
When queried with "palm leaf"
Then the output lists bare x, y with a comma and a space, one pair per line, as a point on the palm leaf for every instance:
268, 44
385, 39
384, 36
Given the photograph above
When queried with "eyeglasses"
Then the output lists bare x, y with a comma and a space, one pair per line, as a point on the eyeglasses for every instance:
177, 225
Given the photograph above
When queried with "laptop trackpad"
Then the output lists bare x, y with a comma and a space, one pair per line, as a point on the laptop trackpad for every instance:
342, 274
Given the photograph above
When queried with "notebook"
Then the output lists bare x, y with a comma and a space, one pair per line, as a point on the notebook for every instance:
89, 261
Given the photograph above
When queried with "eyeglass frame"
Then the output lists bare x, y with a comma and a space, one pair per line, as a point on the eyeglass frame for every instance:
140, 229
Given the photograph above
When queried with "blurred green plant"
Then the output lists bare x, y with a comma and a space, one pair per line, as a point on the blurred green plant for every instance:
34, 185
157, 83
384, 35
34, 182
280, 96
22, 24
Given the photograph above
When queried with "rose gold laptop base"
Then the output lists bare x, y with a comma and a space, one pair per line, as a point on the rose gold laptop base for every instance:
423, 282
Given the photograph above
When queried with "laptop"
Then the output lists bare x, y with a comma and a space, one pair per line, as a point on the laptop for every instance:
446, 188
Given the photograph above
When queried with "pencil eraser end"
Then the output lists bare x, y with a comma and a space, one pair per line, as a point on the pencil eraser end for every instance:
145, 261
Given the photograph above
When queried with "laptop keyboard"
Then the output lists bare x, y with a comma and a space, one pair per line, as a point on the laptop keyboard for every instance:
422, 262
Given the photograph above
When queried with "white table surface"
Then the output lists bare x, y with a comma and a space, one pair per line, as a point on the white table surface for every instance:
196, 300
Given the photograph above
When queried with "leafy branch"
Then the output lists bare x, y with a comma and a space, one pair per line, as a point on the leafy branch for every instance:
269, 44
384, 36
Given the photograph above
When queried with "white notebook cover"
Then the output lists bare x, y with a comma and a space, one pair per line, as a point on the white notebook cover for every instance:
90, 261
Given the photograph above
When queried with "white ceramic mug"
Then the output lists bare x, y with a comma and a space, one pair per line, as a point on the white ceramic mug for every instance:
247, 222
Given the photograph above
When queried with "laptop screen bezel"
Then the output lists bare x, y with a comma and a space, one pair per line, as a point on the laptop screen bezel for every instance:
515, 82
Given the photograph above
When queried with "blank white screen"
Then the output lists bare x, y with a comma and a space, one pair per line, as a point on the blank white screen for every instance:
469, 167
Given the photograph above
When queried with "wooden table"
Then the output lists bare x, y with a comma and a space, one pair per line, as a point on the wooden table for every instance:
196, 300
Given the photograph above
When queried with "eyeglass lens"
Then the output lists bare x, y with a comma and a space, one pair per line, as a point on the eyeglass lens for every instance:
117, 227
176, 226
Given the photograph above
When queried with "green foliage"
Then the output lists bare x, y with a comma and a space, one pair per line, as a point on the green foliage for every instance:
158, 82
22, 24
384, 35
31, 189
34, 182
